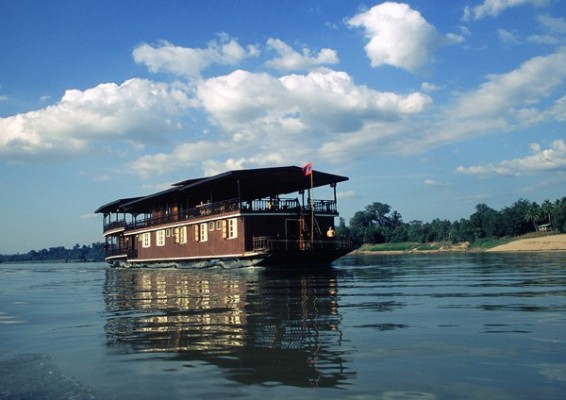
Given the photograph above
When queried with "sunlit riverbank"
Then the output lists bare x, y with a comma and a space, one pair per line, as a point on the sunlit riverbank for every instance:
532, 243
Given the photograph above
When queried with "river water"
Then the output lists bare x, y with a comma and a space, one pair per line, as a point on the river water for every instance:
448, 326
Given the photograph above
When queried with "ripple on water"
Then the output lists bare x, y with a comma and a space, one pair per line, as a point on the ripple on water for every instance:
408, 396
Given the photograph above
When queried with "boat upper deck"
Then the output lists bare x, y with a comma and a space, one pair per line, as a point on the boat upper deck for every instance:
245, 185
253, 190
269, 206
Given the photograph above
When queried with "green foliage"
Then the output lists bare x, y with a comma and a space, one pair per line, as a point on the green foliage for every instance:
404, 247
377, 224
490, 243
374, 224
94, 252
390, 246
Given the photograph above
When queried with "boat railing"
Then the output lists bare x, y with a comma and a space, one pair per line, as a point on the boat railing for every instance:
289, 205
324, 206
113, 251
273, 205
262, 243
114, 225
156, 220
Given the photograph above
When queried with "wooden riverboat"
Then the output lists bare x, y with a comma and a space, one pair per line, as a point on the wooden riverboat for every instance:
235, 219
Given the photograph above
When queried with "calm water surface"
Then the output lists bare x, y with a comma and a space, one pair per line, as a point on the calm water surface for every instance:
372, 327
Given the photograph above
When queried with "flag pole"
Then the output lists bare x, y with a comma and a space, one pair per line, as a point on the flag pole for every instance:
312, 209
307, 170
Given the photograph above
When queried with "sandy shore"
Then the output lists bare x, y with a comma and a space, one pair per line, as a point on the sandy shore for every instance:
544, 243
540, 244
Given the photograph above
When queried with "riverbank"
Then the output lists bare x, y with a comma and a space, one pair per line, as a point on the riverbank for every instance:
550, 242
543, 243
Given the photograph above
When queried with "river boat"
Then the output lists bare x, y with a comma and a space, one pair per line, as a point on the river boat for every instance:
240, 218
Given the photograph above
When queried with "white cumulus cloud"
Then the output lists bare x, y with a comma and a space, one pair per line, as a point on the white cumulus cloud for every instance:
535, 79
508, 37
553, 31
551, 159
187, 155
267, 120
138, 111
184, 61
553, 24
492, 8
400, 36
321, 100
291, 60
530, 94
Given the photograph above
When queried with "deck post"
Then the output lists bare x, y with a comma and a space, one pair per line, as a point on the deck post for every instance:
333, 185
239, 194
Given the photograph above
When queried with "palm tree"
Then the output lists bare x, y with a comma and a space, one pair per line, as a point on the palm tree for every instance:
559, 214
533, 214
547, 209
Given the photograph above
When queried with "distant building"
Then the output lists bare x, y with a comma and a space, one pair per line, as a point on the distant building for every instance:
545, 228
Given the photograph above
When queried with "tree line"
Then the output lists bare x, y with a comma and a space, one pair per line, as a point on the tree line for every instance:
94, 252
379, 224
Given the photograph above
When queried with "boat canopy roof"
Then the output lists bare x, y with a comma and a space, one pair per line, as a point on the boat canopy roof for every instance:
246, 185
114, 206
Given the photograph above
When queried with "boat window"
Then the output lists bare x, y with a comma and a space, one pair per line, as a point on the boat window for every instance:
180, 235
146, 239
183, 235
232, 228
203, 233
160, 238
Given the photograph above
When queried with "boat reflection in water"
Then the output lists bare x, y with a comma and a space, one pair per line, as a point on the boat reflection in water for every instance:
258, 326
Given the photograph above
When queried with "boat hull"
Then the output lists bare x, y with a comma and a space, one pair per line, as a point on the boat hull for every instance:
303, 258
268, 259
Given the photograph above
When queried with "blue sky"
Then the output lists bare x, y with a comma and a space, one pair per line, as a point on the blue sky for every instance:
429, 106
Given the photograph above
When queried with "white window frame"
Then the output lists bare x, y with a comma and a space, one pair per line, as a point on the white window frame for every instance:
180, 234
232, 228
146, 240
160, 237
203, 231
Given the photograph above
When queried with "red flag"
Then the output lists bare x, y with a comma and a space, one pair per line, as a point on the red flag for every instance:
307, 169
